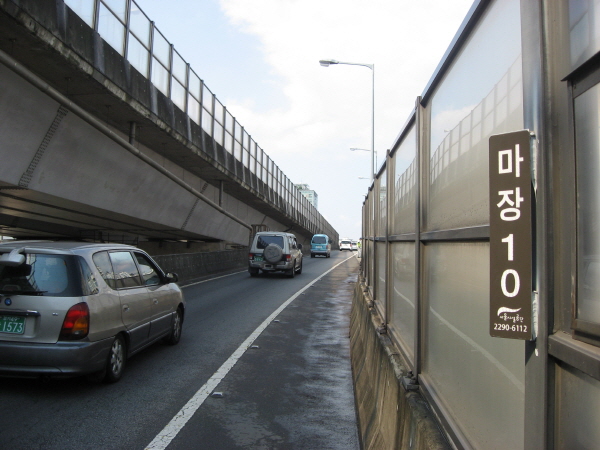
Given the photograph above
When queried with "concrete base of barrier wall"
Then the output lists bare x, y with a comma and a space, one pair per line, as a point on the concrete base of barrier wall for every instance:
196, 266
389, 416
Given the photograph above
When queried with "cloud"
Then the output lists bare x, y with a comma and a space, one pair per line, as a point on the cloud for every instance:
325, 111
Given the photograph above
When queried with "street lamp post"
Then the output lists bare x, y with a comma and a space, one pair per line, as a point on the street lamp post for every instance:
327, 63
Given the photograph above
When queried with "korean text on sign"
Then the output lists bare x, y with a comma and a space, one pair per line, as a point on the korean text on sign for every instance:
510, 236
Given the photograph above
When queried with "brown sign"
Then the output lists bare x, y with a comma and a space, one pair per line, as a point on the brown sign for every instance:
510, 236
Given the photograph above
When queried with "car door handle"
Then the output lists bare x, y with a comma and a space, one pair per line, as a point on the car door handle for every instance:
125, 308
155, 301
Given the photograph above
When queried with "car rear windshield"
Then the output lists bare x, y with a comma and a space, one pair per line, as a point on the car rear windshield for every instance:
319, 240
42, 274
263, 241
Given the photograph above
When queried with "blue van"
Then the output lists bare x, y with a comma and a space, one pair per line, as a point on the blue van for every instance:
320, 244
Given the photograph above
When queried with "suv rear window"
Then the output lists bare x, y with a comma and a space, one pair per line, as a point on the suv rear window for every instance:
263, 241
42, 274
319, 240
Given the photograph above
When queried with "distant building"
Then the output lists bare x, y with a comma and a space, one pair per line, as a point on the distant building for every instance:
311, 195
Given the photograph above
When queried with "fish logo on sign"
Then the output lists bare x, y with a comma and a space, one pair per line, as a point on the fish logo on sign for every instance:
509, 310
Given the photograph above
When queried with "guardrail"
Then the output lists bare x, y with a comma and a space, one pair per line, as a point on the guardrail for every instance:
125, 27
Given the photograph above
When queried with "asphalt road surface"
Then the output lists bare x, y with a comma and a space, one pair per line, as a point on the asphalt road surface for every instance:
263, 363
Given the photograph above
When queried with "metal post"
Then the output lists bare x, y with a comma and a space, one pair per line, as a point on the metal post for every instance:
327, 63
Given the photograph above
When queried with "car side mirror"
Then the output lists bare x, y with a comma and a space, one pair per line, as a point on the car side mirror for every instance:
172, 277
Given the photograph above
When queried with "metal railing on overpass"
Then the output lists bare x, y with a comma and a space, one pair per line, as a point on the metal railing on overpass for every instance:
126, 28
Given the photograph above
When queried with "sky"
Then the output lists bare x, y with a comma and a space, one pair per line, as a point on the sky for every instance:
261, 59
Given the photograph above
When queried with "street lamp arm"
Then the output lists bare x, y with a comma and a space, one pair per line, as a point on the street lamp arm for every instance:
353, 149
328, 62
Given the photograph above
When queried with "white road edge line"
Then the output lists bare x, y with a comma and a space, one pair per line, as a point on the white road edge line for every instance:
168, 433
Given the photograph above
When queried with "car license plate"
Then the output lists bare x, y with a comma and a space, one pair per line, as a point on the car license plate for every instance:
258, 258
12, 324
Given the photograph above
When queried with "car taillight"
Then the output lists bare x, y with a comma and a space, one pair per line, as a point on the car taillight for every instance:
287, 257
250, 255
77, 323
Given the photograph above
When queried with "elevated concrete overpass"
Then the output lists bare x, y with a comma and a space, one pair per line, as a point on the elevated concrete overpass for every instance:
97, 147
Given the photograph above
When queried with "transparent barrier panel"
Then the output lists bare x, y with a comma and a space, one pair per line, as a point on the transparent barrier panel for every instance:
380, 277
578, 409
404, 186
482, 88
139, 25
587, 139
118, 7
193, 107
402, 300
138, 56
218, 132
84, 9
207, 121
160, 77
111, 30
237, 150
161, 49
479, 378
219, 110
178, 94
382, 204
194, 85
584, 30
228, 142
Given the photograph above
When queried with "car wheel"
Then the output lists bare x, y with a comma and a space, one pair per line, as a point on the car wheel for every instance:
273, 253
292, 272
116, 360
300, 268
175, 335
312, 255
253, 272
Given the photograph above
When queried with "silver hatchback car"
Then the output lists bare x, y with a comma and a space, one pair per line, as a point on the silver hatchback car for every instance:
72, 308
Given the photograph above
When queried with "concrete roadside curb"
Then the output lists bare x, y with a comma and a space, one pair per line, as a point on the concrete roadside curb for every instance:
389, 416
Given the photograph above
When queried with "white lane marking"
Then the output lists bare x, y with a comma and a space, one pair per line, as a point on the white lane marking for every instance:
168, 433
211, 279
227, 275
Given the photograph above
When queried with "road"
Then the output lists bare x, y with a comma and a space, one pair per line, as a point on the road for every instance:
290, 389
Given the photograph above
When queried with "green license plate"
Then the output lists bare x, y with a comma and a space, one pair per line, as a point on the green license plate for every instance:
258, 258
12, 324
